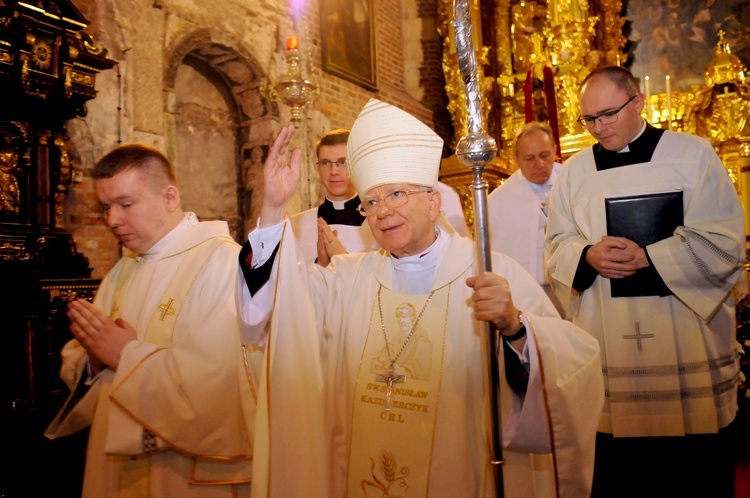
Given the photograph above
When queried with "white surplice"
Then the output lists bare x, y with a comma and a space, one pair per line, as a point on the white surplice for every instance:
194, 393
517, 220
680, 376
517, 212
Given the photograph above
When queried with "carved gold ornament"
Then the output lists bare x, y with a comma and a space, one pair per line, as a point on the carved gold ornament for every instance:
573, 37
41, 55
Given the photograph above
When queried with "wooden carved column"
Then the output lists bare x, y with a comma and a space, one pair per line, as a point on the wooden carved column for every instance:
48, 68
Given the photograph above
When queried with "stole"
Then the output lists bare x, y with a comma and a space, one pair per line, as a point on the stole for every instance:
391, 449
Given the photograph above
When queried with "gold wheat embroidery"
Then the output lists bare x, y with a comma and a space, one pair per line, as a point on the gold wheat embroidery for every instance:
390, 475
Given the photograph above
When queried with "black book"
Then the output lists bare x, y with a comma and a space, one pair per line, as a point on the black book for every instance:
644, 219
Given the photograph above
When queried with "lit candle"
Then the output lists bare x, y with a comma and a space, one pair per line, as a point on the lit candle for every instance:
647, 84
669, 103
291, 43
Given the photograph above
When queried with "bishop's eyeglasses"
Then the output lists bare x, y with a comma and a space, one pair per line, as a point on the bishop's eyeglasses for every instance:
605, 118
395, 199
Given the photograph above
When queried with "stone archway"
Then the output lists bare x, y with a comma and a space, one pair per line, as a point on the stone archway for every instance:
219, 126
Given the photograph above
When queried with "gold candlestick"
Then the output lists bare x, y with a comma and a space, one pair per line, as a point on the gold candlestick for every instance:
649, 113
669, 103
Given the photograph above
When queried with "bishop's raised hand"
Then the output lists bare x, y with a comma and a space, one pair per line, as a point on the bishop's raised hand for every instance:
280, 177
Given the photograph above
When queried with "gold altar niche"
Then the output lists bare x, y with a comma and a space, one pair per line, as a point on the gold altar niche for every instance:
573, 37
718, 111
516, 39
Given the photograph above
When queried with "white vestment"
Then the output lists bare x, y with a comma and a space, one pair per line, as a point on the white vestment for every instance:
517, 223
194, 391
322, 319
671, 363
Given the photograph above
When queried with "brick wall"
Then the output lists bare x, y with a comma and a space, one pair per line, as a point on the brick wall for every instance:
339, 101
85, 222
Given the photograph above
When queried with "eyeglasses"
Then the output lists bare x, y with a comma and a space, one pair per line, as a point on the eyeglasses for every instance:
604, 118
395, 199
325, 163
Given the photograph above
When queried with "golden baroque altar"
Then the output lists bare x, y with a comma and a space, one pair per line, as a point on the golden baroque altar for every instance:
519, 40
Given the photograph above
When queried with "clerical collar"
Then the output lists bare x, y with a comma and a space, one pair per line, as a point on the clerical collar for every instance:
339, 205
627, 147
640, 150
341, 212
541, 190
425, 260
189, 220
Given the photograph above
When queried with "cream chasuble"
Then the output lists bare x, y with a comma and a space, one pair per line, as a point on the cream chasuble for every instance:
328, 323
196, 416
671, 364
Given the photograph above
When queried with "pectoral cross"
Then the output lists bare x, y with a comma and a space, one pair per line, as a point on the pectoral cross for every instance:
389, 380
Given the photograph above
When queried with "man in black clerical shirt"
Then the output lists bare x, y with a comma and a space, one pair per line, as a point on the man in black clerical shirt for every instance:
334, 227
655, 289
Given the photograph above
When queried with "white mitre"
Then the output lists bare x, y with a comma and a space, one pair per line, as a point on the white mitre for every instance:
387, 145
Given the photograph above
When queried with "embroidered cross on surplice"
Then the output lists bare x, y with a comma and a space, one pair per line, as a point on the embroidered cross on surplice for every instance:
638, 336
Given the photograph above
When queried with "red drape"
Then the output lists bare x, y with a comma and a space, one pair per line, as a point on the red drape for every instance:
528, 96
549, 94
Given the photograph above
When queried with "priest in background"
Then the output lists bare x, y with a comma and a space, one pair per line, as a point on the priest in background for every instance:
518, 208
334, 227
374, 378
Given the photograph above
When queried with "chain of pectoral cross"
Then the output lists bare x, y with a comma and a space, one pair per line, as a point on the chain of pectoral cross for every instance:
392, 377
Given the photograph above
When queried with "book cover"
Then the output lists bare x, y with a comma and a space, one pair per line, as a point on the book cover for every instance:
644, 219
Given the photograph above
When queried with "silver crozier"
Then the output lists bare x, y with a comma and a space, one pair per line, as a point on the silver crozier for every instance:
476, 150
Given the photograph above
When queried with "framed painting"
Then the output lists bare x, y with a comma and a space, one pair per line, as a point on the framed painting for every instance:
679, 38
348, 41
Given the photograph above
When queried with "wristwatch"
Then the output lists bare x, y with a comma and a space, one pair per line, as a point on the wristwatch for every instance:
521, 332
